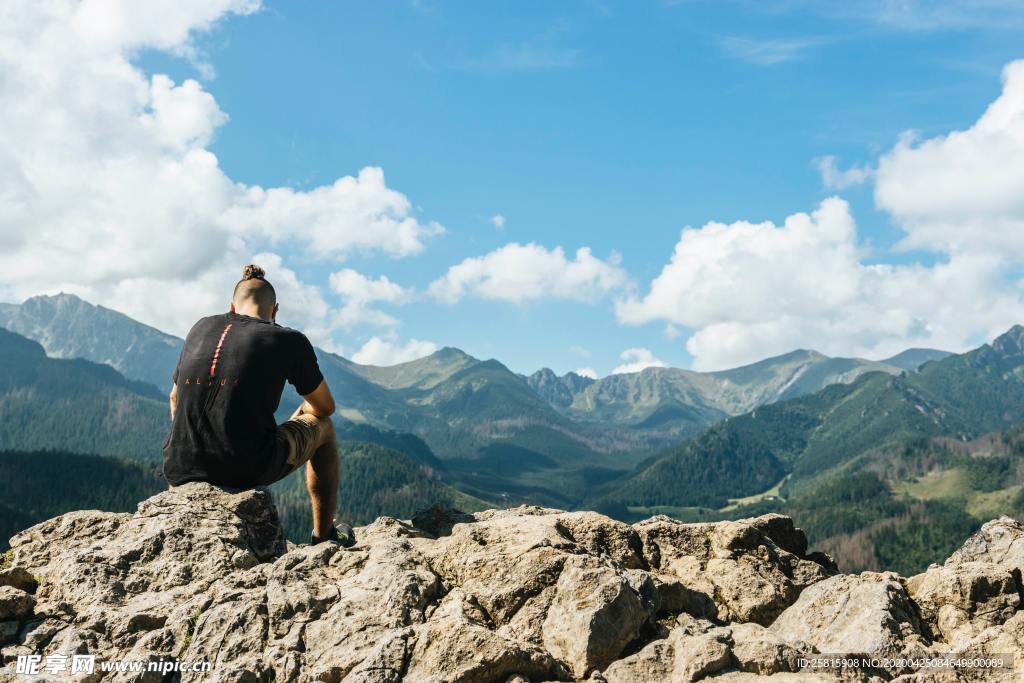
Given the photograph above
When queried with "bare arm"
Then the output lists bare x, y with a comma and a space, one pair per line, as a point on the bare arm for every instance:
173, 398
319, 402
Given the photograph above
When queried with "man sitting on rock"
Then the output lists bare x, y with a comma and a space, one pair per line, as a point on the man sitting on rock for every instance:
227, 387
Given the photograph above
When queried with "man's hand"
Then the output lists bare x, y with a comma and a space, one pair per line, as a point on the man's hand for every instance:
318, 403
173, 399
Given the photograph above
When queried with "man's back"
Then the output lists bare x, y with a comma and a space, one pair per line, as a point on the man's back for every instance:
229, 381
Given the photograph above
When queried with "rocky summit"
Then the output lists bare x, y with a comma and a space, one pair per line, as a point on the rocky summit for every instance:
199, 574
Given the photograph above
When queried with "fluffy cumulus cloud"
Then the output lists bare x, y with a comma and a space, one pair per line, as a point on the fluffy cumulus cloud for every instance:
359, 292
108, 188
388, 350
961, 192
749, 290
523, 272
637, 360
586, 372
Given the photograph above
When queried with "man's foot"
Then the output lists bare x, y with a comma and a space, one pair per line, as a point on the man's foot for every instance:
341, 533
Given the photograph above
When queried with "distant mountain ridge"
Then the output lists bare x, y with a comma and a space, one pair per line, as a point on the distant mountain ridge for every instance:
68, 327
883, 464
660, 397
814, 436
881, 472
502, 436
913, 359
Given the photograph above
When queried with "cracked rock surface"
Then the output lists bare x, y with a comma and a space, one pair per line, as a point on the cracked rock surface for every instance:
526, 594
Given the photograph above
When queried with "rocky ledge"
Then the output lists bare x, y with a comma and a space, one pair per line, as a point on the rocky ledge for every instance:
527, 594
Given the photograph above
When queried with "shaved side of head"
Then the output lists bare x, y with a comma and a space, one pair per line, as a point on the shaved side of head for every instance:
254, 289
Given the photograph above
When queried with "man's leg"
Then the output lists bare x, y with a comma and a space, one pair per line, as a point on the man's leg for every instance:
322, 480
309, 440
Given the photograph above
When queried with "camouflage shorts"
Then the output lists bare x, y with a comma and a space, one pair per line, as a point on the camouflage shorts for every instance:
297, 439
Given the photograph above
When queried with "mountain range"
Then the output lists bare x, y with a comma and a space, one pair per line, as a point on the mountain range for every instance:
881, 461
68, 327
660, 396
75, 404
855, 458
540, 438
962, 396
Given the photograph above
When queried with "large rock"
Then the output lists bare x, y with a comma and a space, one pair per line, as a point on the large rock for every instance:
960, 599
972, 602
17, 577
594, 614
528, 594
563, 581
15, 604
870, 614
748, 570
695, 649
999, 542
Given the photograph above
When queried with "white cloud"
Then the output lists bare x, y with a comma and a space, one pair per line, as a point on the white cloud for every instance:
301, 305
932, 15
498, 221
755, 268
912, 15
522, 272
388, 351
359, 292
354, 214
767, 52
747, 291
961, 192
586, 372
834, 178
636, 360
107, 185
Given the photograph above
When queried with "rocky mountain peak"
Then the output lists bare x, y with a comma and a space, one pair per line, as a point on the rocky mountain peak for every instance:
198, 573
450, 353
544, 375
1011, 342
558, 391
68, 327
62, 299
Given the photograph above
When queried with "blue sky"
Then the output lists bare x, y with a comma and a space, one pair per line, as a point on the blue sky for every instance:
591, 124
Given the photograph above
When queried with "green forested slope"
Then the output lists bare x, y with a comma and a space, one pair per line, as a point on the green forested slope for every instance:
885, 472
75, 405
375, 480
961, 396
38, 485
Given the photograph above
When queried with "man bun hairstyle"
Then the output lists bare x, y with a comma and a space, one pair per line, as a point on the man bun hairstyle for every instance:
252, 272
255, 287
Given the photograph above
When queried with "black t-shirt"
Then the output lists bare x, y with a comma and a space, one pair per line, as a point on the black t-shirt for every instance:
230, 377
